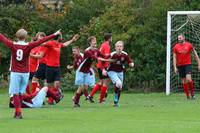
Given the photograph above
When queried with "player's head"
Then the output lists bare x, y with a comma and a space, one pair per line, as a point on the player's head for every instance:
39, 35
75, 50
108, 37
181, 38
119, 46
21, 34
92, 41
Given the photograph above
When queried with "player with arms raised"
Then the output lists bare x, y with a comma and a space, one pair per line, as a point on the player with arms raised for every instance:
19, 75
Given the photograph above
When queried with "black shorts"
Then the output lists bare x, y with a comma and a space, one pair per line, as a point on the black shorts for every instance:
185, 69
101, 76
31, 75
41, 72
52, 74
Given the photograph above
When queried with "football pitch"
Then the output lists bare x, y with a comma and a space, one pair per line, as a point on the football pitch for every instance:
138, 113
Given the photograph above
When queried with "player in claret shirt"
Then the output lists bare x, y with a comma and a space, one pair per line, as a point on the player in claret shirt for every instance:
116, 69
102, 66
53, 62
182, 64
84, 71
19, 75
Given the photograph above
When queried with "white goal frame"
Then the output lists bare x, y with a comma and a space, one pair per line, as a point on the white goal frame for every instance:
168, 55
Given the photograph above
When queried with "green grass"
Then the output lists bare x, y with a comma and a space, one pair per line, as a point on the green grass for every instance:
138, 113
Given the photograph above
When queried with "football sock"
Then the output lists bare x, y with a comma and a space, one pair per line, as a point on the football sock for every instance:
191, 86
77, 98
185, 87
85, 92
95, 89
103, 93
17, 103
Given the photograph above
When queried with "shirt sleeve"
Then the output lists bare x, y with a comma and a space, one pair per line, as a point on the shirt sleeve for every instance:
38, 42
89, 54
6, 41
129, 60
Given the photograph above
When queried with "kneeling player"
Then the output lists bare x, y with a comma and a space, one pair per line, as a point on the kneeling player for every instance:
115, 70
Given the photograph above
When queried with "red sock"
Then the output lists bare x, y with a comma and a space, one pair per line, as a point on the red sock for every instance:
185, 87
34, 86
95, 89
77, 98
103, 93
28, 89
85, 93
17, 103
191, 86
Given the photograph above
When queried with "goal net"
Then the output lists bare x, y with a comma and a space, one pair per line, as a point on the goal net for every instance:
187, 23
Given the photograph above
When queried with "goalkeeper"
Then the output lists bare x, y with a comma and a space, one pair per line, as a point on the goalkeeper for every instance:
182, 64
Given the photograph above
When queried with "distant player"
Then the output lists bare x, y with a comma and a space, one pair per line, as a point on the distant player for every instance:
19, 75
102, 66
53, 62
116, 69
182, 64
84, 71
36, 99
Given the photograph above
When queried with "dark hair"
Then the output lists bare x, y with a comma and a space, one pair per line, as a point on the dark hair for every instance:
58, 38
107, 36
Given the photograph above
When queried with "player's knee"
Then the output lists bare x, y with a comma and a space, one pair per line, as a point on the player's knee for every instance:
118, 84
45, 89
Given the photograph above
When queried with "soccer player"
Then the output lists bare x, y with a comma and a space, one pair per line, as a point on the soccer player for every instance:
115, 70
83, 73
53, 61
182, 64
33, 65
102, 66
40, 74
36, 99
19, 75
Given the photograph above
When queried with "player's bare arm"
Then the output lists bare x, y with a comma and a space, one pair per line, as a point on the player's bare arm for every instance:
74, 39
174, 63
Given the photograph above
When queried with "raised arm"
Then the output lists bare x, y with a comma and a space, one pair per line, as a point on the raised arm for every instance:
44, 39
74, 39
5, 40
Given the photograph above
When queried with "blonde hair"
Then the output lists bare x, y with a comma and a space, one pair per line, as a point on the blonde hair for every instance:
39, 34
119, 42
89, 40
21, 34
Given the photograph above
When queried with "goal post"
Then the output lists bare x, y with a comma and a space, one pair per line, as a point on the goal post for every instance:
181, 22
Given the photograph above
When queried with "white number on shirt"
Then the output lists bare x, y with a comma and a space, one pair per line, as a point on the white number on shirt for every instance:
19, 54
